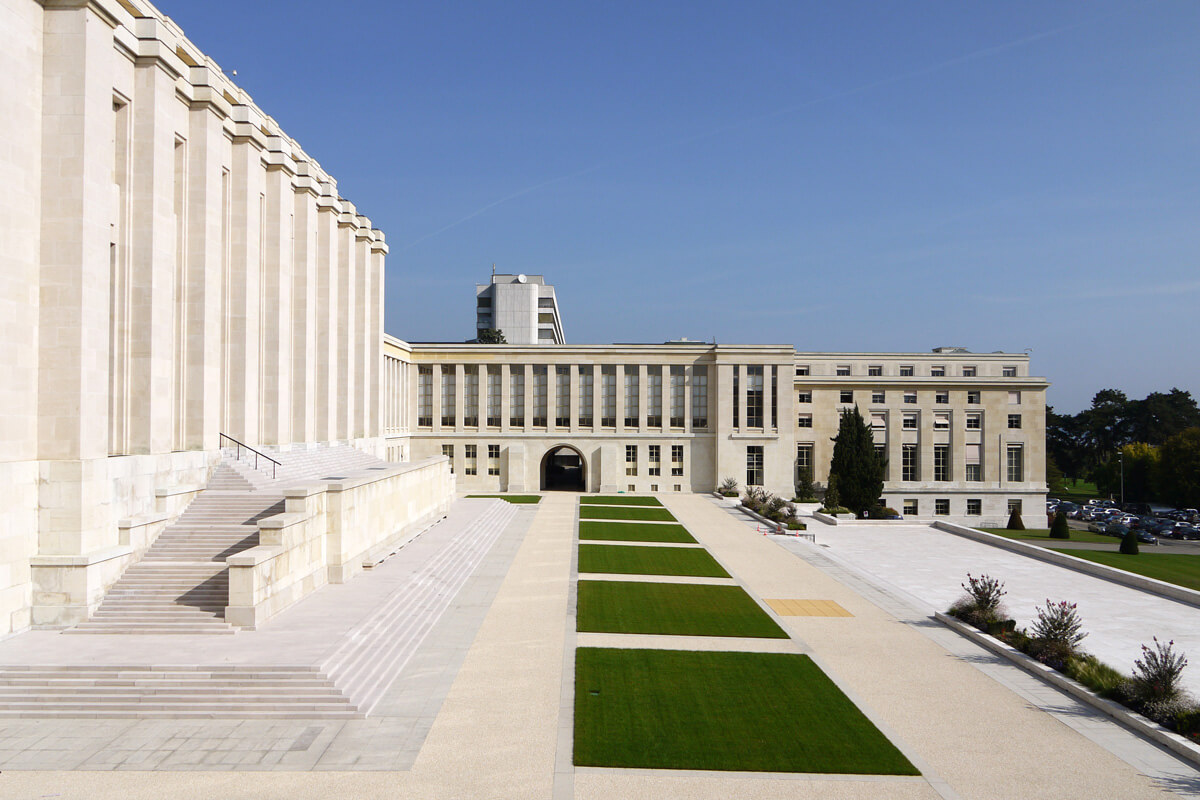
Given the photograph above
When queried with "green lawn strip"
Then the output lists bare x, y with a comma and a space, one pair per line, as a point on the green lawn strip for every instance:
635, 560
634, 532
1043, 535
622, 500
645, 514
518, 499
759, 712
672, 609
1180, 569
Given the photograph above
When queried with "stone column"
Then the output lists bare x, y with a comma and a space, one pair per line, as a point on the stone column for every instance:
347, 267
375, 335
363, 300
305, 301
328, 335
275, 323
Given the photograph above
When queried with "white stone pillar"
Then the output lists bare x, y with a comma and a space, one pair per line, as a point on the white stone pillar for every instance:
328, 336
304, 310
275, 318
346, 323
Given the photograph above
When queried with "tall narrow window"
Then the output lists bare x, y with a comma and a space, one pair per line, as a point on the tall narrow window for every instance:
754, 397
737, 397
754, 465
493, 397
677, 396
1016, 463
493, 464
655, 459
804, 462
585, 397
654, 387
608, 396
471, 396
941, 462
631, 396
516, 396
448, 452
631, 459
470, 459
700, 397
908, 464
973, 462
540, 391
676, 460
424, 397
448, 410
774, 397
562, 397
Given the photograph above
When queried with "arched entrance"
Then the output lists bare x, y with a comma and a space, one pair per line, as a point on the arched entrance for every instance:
563, 470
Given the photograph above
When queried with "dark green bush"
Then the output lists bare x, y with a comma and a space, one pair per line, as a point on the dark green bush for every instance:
1014, 521
1060, 529
1129, 544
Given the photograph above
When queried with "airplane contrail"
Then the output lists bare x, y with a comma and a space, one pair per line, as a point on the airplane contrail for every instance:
974, 55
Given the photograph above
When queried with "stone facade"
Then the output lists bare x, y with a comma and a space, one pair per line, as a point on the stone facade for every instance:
172, 267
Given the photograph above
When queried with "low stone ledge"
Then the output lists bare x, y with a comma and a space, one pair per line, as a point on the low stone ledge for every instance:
254, 556
1161, 588
1177, 744
828, 519
85, 560
171, 491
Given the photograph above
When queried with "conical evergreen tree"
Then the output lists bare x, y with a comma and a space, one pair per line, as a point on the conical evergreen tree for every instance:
1060, 529
858, 468
1129, 544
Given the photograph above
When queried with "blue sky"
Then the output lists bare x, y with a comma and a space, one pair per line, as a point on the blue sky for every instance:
850, 176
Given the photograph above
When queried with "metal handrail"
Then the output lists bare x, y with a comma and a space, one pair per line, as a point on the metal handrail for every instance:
257, 455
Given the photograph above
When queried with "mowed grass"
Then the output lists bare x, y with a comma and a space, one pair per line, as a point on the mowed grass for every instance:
760, 712
620, 500
633, 560
1177, 568
672, 609
643, 514
1042, 535
519, 499
634, 532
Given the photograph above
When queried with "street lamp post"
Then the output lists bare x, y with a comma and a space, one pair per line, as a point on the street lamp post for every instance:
1121, 458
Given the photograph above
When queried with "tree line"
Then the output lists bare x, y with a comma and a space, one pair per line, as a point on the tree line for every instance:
1157, 439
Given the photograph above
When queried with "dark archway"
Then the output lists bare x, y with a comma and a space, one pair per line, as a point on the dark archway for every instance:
564, 470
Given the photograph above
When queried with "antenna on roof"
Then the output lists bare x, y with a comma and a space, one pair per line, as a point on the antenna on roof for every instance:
493, 269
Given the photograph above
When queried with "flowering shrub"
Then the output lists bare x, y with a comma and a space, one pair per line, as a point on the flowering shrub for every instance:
985, 591
765, 504
1059, 622
1157, 673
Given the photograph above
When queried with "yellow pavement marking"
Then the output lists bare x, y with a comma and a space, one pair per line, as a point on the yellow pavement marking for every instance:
808, 608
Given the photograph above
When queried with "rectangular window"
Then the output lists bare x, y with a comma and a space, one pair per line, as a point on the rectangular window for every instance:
470, 459
754, 465
471, 396
754, 397
909, 422
878, 398
906, 371
908, 464
654, 457
448, 380
448, 452
804, 421
1009, 372
843, 370
774, 398
968, 372
493, 459
973, 398
941, 421
493, 397
942, 398
631, 396
654, 389
804, 456
585, 396
562, 397
804, 397
878, 422
541, 389
1016, 463
974, 472
910, 508
1014, 505
1014, 420
676, 461
737, 396
937, 372
973, 462
875, 371
941, 462
846, 396
545, 318
631, 459
700, 397
516, 396
425, 397
1014, 398
974, 508
608, 396
974, 422
678, 395
941, 507
802, 370
910, 398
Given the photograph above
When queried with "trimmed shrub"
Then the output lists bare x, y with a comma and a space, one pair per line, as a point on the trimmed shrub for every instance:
1014, 521
1129, 544
796, 525
1060, 529
805, 491
832, 498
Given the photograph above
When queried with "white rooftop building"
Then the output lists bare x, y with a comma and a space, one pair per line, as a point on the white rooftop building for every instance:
523, 307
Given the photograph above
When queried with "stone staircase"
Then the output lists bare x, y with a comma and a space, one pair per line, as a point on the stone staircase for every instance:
227, 692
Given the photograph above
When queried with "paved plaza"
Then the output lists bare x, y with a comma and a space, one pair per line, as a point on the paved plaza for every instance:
482, 707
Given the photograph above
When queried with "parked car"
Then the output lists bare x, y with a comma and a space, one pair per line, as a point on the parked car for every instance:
1186, 530
1145, 537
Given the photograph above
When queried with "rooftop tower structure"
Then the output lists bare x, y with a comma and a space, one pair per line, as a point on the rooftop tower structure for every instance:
522, 307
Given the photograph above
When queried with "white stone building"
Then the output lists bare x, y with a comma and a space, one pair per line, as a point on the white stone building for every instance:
523, 307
